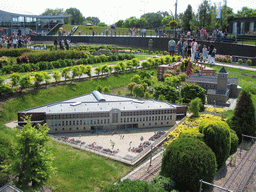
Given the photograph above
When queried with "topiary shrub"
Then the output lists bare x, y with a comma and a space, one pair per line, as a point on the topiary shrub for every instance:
229, 60
217, 137
4, 61
234, 141
243, 121
192, 132
225, 60
187, 160
217, 59
249, 62
240, 61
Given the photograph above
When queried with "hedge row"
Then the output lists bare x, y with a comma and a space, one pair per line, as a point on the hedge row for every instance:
35, 57
13, 52
45, 65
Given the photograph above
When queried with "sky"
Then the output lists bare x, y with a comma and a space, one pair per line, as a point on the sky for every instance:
110, 11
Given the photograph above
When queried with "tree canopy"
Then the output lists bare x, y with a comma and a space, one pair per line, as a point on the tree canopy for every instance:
76, 16
57, 11
32, 165
92, 20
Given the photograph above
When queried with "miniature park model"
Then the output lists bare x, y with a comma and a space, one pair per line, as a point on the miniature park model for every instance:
98, 111
219, 88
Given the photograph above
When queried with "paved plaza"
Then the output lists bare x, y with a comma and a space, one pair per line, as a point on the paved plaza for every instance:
120, 141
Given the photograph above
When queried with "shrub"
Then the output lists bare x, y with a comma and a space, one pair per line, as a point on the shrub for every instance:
229, 60
194, 106
217, 137
225, 60
243, 121
4, 61
234, 141
7, 69
43, 65
240, 61
187, 160
217, 59
34, 67
62, 62
249, 62
106, 89
56, 64
191, 132
26, 67
22, 59
13, 52
17, 68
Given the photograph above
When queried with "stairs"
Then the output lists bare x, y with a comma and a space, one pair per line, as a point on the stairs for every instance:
54, 30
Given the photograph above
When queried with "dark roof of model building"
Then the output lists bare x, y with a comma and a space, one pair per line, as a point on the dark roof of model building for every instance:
223, 70
8, 187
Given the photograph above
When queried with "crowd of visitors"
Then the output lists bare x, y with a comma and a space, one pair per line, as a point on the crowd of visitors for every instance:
14, 41
62, 44
193, 50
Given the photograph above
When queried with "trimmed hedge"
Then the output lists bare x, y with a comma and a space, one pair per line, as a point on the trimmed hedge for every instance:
217, 136
35, 57
234, 141
187, 160
45, 65
13, 52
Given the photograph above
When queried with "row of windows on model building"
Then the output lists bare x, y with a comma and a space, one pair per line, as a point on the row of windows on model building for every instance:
105, 121
96, 115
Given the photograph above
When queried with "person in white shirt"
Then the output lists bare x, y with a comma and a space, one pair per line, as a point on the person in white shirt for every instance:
194, 47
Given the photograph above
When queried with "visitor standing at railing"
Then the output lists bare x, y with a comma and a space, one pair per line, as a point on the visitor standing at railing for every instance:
171, 46
180, 46
185, 46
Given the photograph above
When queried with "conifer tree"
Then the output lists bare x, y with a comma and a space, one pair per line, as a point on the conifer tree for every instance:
243, 121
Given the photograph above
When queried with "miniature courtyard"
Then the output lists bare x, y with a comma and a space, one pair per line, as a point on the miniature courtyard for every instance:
127, 146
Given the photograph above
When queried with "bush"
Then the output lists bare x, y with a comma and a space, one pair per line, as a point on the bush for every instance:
22, 59
187, 160
249, 62
4, 61
229, 60
217, 59
7, 69
43, 65
217, 137
13, 52
225, 60
240, 61
234, 141
243, 121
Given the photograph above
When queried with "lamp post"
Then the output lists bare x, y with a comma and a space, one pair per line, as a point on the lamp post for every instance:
175, 17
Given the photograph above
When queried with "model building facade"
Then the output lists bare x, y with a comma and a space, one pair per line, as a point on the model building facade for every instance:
97, 111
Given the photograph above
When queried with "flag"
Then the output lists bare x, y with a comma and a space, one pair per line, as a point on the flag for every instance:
218, 10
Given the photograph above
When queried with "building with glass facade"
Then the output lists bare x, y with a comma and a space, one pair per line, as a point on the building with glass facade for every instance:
12, 22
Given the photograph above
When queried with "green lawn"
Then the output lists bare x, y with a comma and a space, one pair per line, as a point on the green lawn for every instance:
78, 170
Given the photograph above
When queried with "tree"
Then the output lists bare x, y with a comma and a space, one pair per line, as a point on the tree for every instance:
243, 121
191, 91
170, 93
166, 21
76, 16
153, 20
76, 72
187, 160
194, 106
26, 81
234, 141
204, 14
187, 17
143, 22
65, 73
138, 90
246, 12
46, 78
38, 78
136, 79
57, 11
56, 76
32, 165
92, 20
226, 14
135, 63
15, 78
106, 89
119, 23
102, 24
131, 85
173, 81
217, 137
7, 146
147, 95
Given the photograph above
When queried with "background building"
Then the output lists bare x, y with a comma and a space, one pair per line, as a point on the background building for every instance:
97, 111
13, 22
219, 88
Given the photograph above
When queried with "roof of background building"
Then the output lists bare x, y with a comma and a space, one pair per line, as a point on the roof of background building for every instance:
16, 13
211, 79
99, 102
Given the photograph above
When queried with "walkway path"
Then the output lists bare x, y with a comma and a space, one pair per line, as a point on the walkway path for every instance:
234, 66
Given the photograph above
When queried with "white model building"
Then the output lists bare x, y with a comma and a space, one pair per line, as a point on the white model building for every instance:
97, 111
